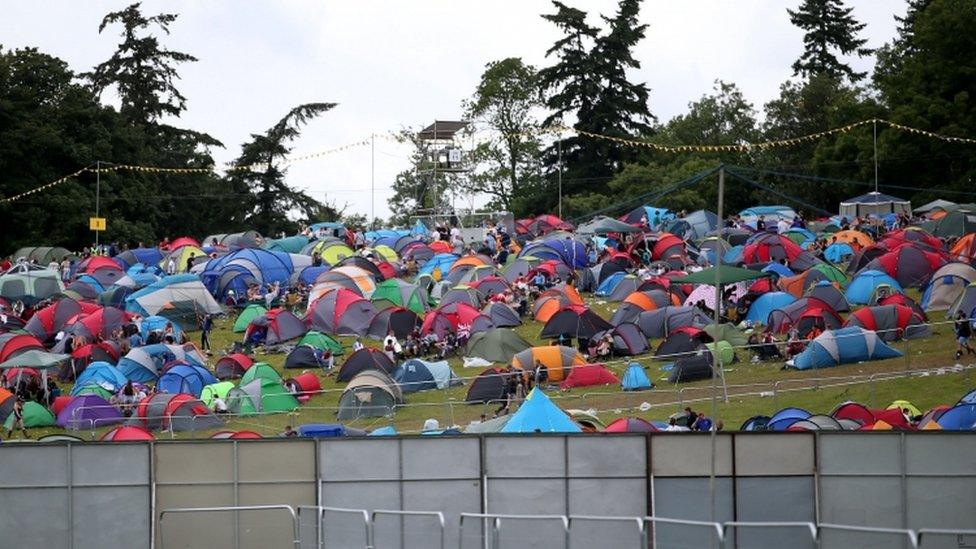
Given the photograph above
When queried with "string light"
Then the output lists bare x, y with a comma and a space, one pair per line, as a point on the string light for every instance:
548, 130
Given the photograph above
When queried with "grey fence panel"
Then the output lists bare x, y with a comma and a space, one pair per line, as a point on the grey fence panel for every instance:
527, 476
842, 537
774, 499
110, 480
689, 499
33, 484
941, 484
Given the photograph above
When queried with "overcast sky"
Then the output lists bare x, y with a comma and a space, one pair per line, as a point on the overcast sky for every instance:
391, 65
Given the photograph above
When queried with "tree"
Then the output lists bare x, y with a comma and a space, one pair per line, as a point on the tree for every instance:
505, 98
828, 27
271, 200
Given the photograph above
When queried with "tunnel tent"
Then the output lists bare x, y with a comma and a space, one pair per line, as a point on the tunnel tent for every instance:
843, 346
557, 359
947, 284
421, 375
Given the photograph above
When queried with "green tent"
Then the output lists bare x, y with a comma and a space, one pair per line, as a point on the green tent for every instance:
249, 313
260, 396
288, 244
833, 273
727, 332
727, 275
496, 345
35, 415
215, 390
321, 342
260, 370
725, 352
400, 294
94, 390
35, 359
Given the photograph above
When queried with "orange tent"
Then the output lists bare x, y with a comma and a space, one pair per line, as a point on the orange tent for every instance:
964, 249
474, 260
553, 299
849, 235
557, 359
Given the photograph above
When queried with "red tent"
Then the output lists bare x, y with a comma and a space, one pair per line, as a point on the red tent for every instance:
586, 375
127, 433
304, 386
630, 425
97, 262
232, 366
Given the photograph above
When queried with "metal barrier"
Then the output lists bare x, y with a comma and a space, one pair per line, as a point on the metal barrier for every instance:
496, 523
296, 537
909, 534
320, 513
929, 533
809, 527
433, 514
717, 527
639, 521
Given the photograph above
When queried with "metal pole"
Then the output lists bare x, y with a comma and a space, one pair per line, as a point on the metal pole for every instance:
716, 364
98, 191
372, 180
875, 124
559, 163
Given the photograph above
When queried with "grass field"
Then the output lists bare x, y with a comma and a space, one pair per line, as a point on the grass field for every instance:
753, 388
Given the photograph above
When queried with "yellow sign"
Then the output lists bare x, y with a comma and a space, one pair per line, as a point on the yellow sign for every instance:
96, 223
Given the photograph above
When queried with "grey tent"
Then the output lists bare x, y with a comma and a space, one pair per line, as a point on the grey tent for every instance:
830, 295
370, 394
501, 315
628, 340
874, 203
496, 345
660, 322
605, 225
947, 284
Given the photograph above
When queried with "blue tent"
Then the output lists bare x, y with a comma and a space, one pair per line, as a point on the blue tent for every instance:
91, 281
968, 398
860, 290
141, 269
101, 374
373, 236
961, 417
772, 214
635, 378
571, 252
767, 303
655, 216
844, 346
387, 431
419, 229
419, 375
439, 261
781, 420
538, 414
307, 276
146, 256
143, 363
779, 269
610, 283
807, 235
733, 255
235, 271
185, 378
158, 323
838, 252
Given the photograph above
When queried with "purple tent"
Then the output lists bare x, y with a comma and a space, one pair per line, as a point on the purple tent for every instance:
88, 411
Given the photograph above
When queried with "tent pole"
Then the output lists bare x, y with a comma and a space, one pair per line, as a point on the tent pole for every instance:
98, 191
559, 163
716, 364
875, 155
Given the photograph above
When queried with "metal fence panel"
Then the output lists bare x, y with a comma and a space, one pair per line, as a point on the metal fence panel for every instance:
689, 455
211, 530
110, 464
689, 499
607, 457
359, 459
28, 465
860, 454
766, 455
774, 499
941, 502
34, 517
116, 516
864, 501
940, 454
525, 457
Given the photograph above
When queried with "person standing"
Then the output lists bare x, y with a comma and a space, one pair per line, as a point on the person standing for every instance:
964, 330
206, 325
18, 413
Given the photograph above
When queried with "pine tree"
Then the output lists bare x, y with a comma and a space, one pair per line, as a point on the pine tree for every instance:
272, 200
829, 27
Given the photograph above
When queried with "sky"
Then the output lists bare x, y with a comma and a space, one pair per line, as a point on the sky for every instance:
397, 64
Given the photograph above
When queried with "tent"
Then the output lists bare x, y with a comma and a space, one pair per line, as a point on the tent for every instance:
88, 412
692, 368
232, 366
365, 359
215, 390
35, 415
552, 301
247, 315
538, 414
831, 295
804, 313
501, 315
127, 433
419, 375
965, 303
304, 356
260, 370
891, 322
177, 297
855, 412
653, 216
340, 312
144, 364
575, 321
862, 287
488, 386
964, 249
496, 345
766, 303
628, 340
401, 294
321, 342
660, 322
630, 425
605, 225
844, 346
727, 274
947, 284
910, 266
260, 396
30, 286
396, 320
13, 345
175, 412
304, 386
635, 378
955, 223
370, 393
874, 204
185, 378
45, 323
961, 417
588, 375
557, 359
101, 374
693, 226
278, 326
